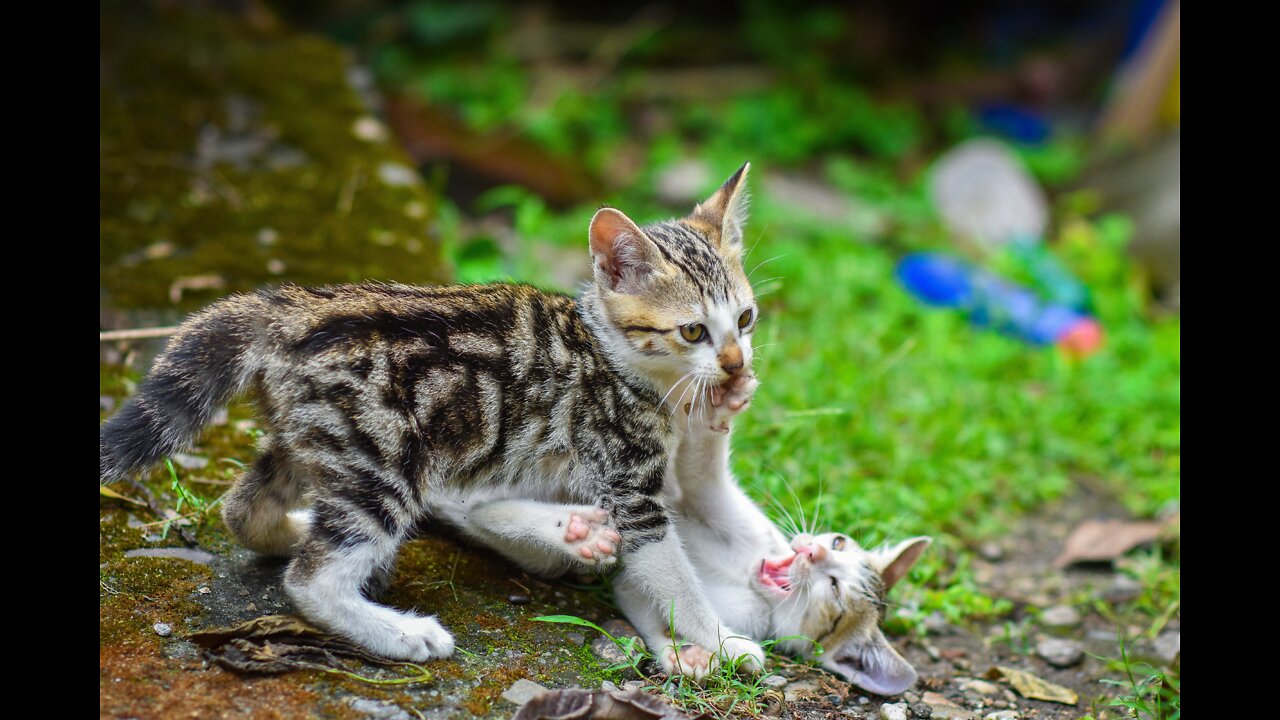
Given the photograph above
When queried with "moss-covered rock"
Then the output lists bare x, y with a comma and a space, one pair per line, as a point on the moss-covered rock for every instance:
235, 153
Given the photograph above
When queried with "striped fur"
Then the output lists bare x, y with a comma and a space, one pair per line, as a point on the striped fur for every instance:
379, 397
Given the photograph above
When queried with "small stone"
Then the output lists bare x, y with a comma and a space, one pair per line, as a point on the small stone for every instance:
863, 699
522, 691
189, 462
576, 638
620, 628
910, 698
936, 624
518, 599
606, 650
893, 711
204, 590
397, 175
1167, 645
608, 686
801, 689
251, 607
369, 130
982, 687
243, 593
276, 266
106, 403
833, 699
1060, 617
268, 237
632, 685
1059, 652
162, 629
774, 681
921, 710
991, 551
380, 710
1122, 589
1002, 715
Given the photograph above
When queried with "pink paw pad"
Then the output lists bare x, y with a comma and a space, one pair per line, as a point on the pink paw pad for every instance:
593, 540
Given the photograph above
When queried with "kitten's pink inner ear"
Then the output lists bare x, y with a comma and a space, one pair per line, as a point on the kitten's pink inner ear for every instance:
902, 558
621, 252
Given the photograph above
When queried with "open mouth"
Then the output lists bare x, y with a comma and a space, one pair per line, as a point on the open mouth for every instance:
776, 574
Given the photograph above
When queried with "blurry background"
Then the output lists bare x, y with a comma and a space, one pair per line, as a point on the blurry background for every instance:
247, 142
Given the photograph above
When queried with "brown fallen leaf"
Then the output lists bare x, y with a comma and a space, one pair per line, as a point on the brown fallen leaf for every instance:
108, 492
280, 643
1032, 687
576, 704
1106, 540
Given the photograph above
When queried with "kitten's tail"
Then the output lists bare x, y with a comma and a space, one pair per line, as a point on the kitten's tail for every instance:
206, 363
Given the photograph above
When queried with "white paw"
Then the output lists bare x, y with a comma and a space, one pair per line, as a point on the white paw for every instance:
729, 399
739, 649
416, 639
592, 542
692, 661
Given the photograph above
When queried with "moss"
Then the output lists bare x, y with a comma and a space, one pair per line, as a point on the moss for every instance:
482, 697
228, 149
136, 593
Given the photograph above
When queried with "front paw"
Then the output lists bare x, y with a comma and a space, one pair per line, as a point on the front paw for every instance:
591, 541
729, 399
692, 661
746, 654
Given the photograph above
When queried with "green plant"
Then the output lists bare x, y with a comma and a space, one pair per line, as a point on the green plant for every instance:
1148, 692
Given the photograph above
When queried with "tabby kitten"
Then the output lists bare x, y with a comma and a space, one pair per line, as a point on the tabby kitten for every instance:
380, 397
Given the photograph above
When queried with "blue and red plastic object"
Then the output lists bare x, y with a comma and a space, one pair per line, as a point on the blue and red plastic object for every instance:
990, 301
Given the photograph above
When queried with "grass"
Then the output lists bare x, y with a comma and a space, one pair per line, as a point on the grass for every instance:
1146, 693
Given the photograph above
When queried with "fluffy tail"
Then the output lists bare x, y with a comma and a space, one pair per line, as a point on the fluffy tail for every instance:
203, 367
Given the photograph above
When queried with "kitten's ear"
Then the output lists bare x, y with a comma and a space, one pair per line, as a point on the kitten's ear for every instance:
727, 208
623, 257
871, 664
893, 562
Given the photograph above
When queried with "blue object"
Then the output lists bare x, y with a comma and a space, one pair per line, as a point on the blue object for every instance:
992, 302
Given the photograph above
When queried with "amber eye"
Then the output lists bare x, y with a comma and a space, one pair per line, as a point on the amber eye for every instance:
838, 543
693, 332
745, 318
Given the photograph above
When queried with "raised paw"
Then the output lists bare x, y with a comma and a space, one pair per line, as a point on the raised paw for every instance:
591, 540
729, 399
692, 661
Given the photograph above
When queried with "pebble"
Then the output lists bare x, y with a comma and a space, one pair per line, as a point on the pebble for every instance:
396, 175
1058, 652
936, 624
1002, 715
106, 403
190, 462
606, 650
251, 607
893, 711
911, 698
190, 554
379, 710
991, 551
162, 629
632, 685
369, 130
576, 638
833, 699
982, 687
774, 681
921, 710
204, 590
801, 689
522, 691
1122, 589
1167, 645
608, 686
620, 628
518, 599
1060, 617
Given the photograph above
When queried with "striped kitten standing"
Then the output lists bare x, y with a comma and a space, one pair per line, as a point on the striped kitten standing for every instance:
380, 399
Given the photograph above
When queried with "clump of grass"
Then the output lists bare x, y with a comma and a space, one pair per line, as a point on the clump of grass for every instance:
1147, 692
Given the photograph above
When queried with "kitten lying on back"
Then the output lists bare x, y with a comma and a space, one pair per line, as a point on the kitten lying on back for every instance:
381, 398
821, 588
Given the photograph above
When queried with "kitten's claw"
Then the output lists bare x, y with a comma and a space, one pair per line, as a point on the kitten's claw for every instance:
593, 541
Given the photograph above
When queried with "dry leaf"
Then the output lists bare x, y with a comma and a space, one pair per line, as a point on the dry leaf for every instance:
1032, 687
578, 704
108, 492
1106, 540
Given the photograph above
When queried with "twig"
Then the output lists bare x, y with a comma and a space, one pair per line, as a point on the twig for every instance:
136, 334
154, 507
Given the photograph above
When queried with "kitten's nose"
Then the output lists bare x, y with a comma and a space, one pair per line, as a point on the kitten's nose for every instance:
810, 549
731, 358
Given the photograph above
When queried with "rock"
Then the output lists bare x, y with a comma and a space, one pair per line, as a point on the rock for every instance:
1060, 617
621, 628
518, 599
522, 691
608, 686
189, 554
1059, 652
894, 711
921, 710
1167, 645
801, 689
1002, 715
189, 462
944, 709
576, 638
981, 687
1121, 590
991, 551
380, 710
910, 698
774, 681
632, 685
936, 624
162, 629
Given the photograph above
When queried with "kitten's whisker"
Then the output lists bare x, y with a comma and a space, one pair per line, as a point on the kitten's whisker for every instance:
675, 385
763, 262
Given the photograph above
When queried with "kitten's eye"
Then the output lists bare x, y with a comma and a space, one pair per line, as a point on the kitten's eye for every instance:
835, 586
693, 332
838, 543
745, 318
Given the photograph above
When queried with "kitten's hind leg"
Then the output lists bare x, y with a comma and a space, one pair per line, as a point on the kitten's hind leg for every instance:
260, 510
327, 579
543, 538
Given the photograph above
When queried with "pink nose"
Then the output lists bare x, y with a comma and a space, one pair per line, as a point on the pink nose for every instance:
810, 549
